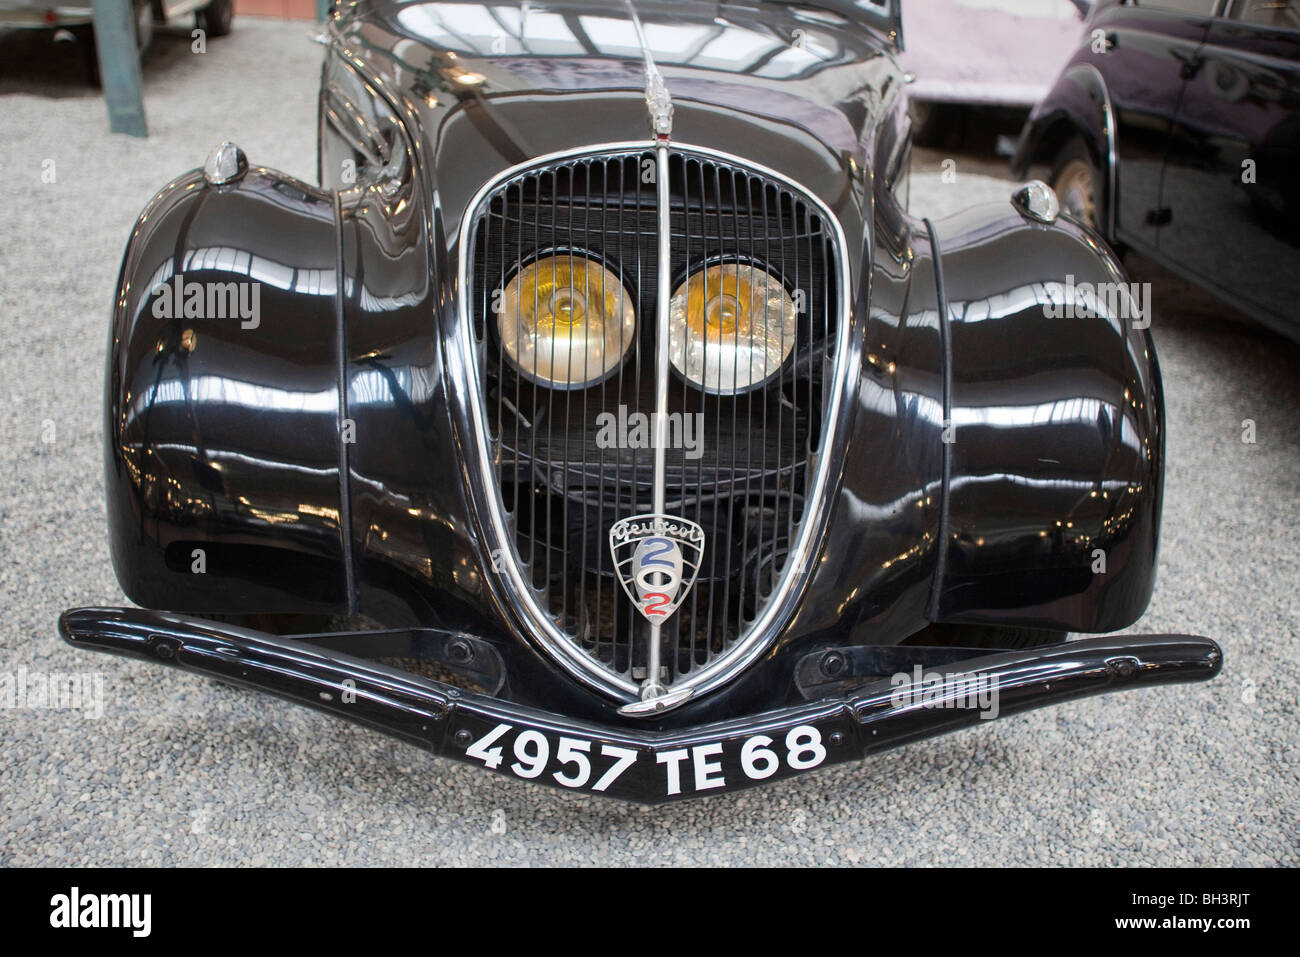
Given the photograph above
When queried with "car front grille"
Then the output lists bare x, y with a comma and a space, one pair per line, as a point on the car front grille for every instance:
748, 482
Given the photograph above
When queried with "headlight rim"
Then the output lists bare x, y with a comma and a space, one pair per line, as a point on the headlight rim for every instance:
683, 277
590, 256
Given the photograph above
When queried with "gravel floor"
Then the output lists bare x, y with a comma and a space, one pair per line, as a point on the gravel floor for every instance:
180, 770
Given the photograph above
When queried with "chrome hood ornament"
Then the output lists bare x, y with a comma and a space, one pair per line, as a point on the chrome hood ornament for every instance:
657, 98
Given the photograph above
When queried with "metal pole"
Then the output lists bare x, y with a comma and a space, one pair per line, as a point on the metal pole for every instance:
119, 66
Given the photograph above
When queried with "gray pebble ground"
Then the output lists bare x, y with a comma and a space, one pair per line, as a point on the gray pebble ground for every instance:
181, 770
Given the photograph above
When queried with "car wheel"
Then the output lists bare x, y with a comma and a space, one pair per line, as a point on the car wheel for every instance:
89, 56
143, 27
217, 17
1078, 184
935, 124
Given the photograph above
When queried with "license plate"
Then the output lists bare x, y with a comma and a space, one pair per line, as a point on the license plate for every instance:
696, 764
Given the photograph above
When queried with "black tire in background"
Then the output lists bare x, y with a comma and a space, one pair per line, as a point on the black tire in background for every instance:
217, 17
936, 124
89, 55
1079, 184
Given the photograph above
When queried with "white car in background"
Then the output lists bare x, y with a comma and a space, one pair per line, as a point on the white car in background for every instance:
77, 17
984, 52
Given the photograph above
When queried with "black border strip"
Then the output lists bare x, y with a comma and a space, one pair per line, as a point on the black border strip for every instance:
1050, 902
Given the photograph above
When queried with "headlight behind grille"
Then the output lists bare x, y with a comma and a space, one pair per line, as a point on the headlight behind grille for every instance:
732, 326
566, 321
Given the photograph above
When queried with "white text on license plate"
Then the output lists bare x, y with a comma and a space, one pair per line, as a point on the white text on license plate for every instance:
580, 763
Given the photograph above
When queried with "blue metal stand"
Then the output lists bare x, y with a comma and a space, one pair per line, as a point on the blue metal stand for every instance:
119, 66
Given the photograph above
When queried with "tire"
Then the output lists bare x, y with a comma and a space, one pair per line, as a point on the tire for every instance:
143, 27
936, 124
1080, 186
216, 18
89, 55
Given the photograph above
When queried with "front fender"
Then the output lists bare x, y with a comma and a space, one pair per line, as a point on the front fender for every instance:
221, 430
1055, 446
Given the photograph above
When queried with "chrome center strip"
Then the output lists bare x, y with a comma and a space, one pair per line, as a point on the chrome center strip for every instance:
660, 106
662, 330
652, 689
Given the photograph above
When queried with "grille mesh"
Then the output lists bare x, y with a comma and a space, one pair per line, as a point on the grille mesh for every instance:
745, 486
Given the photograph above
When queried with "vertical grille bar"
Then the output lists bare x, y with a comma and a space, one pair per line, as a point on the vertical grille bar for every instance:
746, 503
762, 500
735, 407
709, 544
717, 443
600, 463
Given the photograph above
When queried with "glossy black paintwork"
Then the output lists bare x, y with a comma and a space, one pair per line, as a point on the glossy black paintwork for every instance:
221, 438
1057, 442
830, 114
445, 720
1195, 97
1241, 105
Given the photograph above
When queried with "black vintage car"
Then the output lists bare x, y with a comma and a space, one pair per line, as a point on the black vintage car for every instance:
1175, 130
603, 418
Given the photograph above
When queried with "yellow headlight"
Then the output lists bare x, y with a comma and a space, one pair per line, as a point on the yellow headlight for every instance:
731, 327
566, 321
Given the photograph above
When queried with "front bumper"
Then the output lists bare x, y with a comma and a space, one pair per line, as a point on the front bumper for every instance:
619, 760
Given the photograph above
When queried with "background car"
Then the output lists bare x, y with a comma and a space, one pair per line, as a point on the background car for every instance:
213, 16
988, 53
1175, 130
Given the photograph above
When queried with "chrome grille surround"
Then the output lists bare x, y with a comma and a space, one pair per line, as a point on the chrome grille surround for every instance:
514, 576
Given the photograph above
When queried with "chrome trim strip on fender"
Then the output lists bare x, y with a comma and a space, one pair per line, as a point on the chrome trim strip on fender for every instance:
1112, 152
344, 453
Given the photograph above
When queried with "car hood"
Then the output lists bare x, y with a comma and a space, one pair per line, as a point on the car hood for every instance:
799, 88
